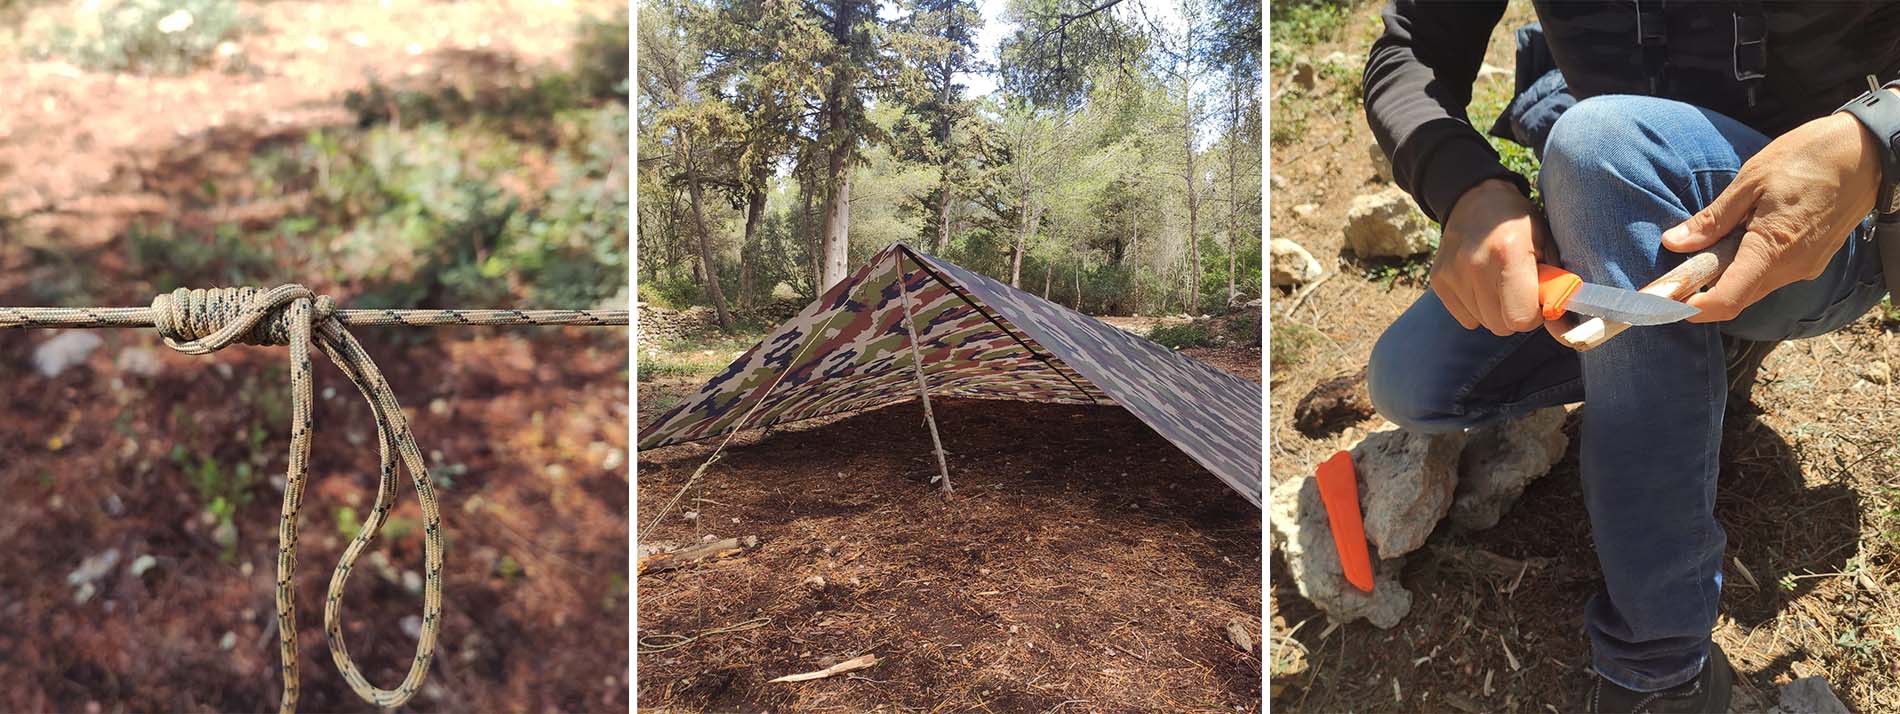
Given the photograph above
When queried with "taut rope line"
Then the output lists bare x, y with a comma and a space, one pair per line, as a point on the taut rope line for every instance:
204, 321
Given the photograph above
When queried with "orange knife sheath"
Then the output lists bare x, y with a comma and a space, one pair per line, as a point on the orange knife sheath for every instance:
1339, 490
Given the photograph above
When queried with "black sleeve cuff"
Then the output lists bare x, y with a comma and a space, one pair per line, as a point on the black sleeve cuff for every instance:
1453, 167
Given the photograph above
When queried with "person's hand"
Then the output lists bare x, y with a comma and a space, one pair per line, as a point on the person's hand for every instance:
1486, 267
1797, 201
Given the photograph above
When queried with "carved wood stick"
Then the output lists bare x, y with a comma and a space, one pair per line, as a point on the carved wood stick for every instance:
1677, 284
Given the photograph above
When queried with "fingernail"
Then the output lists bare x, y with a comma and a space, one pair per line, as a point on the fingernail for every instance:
1675, 235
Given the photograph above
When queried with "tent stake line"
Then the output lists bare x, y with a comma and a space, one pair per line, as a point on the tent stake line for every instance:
917, 366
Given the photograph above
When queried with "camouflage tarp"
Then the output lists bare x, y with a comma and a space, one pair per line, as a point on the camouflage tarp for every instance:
981, 339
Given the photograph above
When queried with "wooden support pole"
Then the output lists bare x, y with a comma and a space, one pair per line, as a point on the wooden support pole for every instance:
917, 365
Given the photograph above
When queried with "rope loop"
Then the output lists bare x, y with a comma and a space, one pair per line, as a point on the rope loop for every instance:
204, 320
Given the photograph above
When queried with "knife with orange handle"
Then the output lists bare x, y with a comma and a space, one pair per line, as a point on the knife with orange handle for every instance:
1680, 283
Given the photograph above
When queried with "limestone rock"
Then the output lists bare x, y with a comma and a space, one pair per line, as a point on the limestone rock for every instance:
1305, 210
1406, 482
1388, 224
1809, 695
1488, 72
1500, 460
1381, 165
1291, 265
67, 349
1304, 536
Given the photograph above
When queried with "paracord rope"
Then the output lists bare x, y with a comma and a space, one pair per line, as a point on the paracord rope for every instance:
204, 321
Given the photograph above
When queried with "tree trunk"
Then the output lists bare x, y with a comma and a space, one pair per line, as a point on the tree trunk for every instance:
837, 237
1233, 190
945, 161
837, 234
1078, 283
1021, 245
755, 208
813, 252
1193, 206
1048, 276
943, 215
705, 237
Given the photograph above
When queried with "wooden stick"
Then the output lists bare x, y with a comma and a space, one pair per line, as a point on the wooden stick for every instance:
1678, 284
917, 365
662, 562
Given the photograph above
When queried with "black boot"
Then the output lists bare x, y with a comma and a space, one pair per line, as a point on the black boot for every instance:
1708, 693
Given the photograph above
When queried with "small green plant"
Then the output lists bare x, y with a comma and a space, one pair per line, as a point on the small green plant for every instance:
1852, 641
1410, 271
508, 569
159, 36
1291, 345
347, 524
1183, 336
222, 490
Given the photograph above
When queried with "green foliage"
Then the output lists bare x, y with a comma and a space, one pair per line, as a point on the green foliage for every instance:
222, 490
224, 257
347, 524
1242, 328
158, 36
1291, 345
1184, 335
508, 569
1299, 25
426, 214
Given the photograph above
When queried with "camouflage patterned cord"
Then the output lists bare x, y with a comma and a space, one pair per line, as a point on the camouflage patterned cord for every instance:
205, 321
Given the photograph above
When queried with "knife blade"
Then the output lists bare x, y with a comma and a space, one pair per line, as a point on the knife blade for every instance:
1562, 291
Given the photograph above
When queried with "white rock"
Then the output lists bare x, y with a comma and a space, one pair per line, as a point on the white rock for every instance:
411, 625
1291, 265
93, 567
1406, 481
64, 350
141, 361
1500, 460
1381, 165
142, 564
1304, 536
1388, 224
1305, 210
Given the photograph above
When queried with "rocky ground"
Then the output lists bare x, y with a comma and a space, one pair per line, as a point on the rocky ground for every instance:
1483, 545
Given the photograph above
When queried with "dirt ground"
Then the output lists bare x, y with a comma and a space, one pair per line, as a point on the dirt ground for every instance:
525, 429
1807, 494
1083, 564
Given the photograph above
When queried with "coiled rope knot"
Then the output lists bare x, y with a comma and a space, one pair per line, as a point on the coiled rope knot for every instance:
204, 320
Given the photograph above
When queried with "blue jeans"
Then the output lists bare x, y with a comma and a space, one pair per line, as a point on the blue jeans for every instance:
1617, 171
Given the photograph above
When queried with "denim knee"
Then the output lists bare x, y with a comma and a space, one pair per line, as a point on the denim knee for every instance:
1406, 390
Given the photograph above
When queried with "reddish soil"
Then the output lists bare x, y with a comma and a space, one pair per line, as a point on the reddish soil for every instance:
525, 429
1083, 564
